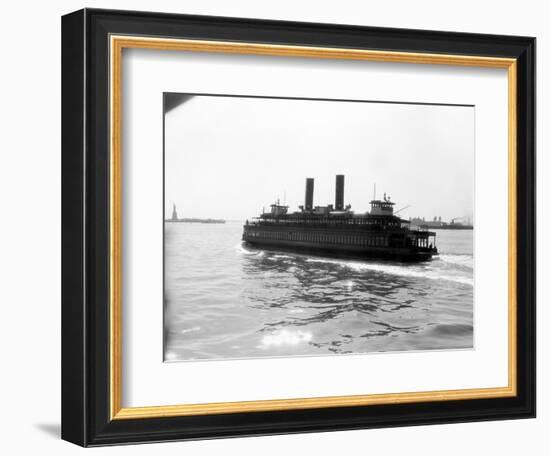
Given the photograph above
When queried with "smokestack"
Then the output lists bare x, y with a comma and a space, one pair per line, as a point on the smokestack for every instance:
309, 194
339, 203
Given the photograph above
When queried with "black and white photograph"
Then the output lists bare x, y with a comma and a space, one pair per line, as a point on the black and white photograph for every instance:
277, 220
308, 227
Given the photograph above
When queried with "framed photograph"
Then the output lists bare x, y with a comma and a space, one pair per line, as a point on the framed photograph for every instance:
278, 227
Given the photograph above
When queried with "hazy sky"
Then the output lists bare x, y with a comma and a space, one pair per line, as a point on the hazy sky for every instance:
227, 157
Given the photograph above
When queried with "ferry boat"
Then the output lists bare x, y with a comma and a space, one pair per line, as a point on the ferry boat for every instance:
338, 231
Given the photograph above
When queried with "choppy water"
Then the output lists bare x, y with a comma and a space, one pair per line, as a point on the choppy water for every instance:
223, 300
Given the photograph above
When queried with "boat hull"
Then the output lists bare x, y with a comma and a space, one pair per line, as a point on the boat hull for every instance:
405, 254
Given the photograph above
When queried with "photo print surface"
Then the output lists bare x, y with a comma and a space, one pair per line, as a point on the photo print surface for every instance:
306, 227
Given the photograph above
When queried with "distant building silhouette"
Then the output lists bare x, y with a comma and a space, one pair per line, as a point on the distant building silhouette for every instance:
438, 223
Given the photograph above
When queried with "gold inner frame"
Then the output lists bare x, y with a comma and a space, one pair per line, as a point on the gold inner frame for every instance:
117, 44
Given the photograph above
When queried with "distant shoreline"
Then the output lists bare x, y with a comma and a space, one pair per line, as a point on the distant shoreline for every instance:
195, 220
453, 228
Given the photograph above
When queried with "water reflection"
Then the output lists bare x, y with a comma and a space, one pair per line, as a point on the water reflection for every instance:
330, 288
224, 300
360, 301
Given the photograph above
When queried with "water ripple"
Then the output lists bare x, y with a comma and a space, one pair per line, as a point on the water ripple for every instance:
225, 300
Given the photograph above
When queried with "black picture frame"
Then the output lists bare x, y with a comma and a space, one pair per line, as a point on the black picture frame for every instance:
85, 228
